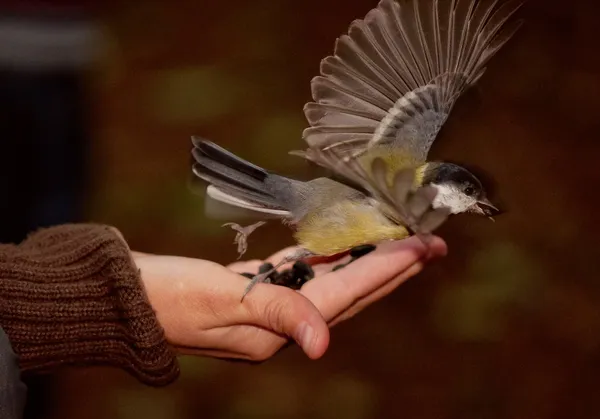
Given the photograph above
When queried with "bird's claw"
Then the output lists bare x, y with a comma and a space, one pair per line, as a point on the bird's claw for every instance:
300, 272
257, 279
356, 253
241, 238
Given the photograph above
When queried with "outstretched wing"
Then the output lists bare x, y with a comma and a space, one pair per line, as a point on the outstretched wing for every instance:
394, 78
394, 192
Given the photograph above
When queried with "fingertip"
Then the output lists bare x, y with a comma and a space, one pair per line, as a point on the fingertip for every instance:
280, 254
245, 266
437, 248
290, 313
312, 334
314, 339
433, 247
410, 250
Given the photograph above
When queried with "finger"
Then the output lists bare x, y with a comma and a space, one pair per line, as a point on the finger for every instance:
313, 260
245, 266
280, 254
324, 268
253, 265
335, 292
255, 344
333, 259
330, 264
377, 295
248, 342
288, 313
210, 352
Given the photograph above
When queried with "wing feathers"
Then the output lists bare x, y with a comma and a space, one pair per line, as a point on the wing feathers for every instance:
394, 195
403, 67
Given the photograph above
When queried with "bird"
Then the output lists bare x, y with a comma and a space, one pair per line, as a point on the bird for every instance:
328, 216
391, 85
377, 107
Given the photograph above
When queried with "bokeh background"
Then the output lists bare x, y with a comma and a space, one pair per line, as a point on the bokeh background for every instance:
506, 326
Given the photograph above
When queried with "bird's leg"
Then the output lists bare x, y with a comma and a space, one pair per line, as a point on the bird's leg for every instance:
355, 253
263, 277
241, 238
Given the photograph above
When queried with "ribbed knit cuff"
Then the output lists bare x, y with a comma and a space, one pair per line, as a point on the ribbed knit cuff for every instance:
72, 295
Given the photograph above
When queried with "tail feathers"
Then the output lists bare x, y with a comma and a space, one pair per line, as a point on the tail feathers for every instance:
233, 180
221, 175
218, 195
220, 155
232, 188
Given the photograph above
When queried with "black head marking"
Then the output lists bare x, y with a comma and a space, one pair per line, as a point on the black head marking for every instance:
450, 173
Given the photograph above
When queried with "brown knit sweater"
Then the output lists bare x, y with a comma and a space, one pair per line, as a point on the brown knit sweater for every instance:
71, 295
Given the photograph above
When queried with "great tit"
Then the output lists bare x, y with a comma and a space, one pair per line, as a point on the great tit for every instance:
329, 217
392, 82
377, 108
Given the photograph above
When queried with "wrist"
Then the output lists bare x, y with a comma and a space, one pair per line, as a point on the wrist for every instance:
76, 298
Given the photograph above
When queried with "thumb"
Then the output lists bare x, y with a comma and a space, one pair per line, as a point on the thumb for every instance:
289, 313
339, 290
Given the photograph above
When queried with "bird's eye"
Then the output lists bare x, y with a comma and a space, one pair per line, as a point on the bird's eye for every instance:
470, 191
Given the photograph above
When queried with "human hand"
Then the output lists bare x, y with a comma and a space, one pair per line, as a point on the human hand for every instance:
198, 302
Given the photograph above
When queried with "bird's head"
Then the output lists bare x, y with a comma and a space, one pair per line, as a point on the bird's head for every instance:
458, 190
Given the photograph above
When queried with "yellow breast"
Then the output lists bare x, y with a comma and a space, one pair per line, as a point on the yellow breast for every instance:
343, 226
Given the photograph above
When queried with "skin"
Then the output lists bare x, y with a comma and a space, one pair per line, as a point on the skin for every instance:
197, 302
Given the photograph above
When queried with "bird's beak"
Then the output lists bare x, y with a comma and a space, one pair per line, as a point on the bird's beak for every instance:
486, 208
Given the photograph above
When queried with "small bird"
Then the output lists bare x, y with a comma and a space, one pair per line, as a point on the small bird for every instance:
377, 108
392, 82
329, 217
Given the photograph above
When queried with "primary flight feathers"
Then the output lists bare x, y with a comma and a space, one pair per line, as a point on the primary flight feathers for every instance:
394, 78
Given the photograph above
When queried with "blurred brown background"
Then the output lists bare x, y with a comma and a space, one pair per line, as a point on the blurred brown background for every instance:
506, 326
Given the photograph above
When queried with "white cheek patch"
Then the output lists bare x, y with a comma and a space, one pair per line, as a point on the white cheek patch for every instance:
451, 198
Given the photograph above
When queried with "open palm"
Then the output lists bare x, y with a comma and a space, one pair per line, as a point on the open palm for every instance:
198, 302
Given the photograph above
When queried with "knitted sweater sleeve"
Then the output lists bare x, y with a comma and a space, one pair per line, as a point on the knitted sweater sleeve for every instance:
71, 295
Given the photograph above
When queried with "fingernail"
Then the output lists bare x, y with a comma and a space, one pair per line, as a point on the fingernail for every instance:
306, 337
439, 252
